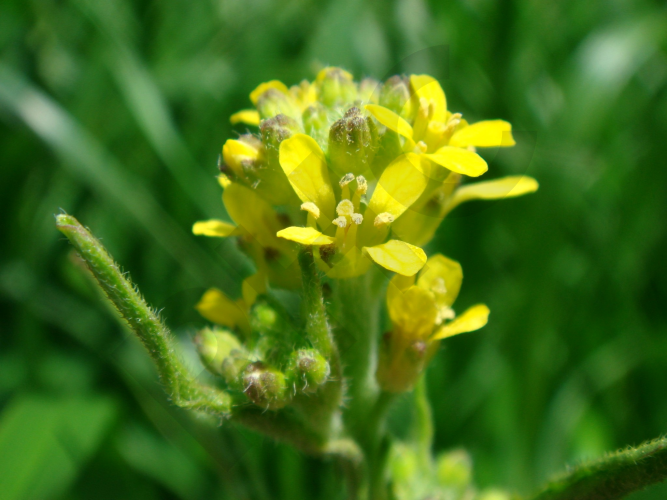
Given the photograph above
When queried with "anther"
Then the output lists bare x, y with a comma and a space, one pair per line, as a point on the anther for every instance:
311, 208
357, 218
341, 222
362, 184
346, 179
344, 208
383, 219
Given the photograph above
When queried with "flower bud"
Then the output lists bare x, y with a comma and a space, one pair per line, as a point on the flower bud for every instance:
307, 370
273, 102
369, 90
265, 386
336, 87
402, 360
215, 346
316, 122
454, 469
395, 95
273, 184
241, 156
353, 142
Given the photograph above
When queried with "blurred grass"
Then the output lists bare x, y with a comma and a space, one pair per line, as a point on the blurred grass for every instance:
116, 111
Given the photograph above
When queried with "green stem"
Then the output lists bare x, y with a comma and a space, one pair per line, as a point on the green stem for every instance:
423, 428
321, 409
613, 476
182, 387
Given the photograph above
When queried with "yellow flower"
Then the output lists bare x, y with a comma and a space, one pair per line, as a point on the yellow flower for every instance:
420, 309
347, 239
361, 172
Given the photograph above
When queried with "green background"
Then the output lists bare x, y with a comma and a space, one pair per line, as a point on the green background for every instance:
115, 111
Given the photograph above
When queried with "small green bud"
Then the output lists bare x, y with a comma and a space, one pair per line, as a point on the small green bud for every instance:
263, 318
270, 179
494, 494
454, 469
307, 370
369, 89
404, 464
215, 346
353, 142
273, 102
395, 95
265, 386
336, 87
316, 122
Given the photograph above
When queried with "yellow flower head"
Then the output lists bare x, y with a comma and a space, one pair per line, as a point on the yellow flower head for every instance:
352, 170
420, 308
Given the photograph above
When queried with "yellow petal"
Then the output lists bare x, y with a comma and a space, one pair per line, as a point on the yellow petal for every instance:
253, 286
486, 134
398, 284
459, 160
247, 116
442, 277
506, 187
305, 236
398, 256
263, 87
400, 185
235, 152
427, 87
215, 227
254, 215
413, 311
224, 181
215, 306
390, 120
304, 163
472, 319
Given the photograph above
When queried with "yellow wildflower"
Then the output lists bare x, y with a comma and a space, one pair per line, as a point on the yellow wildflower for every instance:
420, 309
330, 159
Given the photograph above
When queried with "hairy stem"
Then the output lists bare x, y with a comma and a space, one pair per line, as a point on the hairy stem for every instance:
612, 477
181, 386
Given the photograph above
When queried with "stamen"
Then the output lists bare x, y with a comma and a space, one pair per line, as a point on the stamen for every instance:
346, 179
311, 208
345, 208
357, 218
383, 219
421, 147
362, 184
341, 222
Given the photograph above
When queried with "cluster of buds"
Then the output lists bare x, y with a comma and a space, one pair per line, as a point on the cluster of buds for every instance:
356, 174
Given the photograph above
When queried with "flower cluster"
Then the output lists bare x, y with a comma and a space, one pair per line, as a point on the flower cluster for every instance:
359, 173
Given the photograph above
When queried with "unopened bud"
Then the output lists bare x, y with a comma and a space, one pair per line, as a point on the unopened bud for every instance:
454, 469
395, 95
369, 90
241, 155
353, 142
263, 319
402, 360
273, 183
273, 102
316, 122
307, 370
265, 386
215, 346
336, 87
